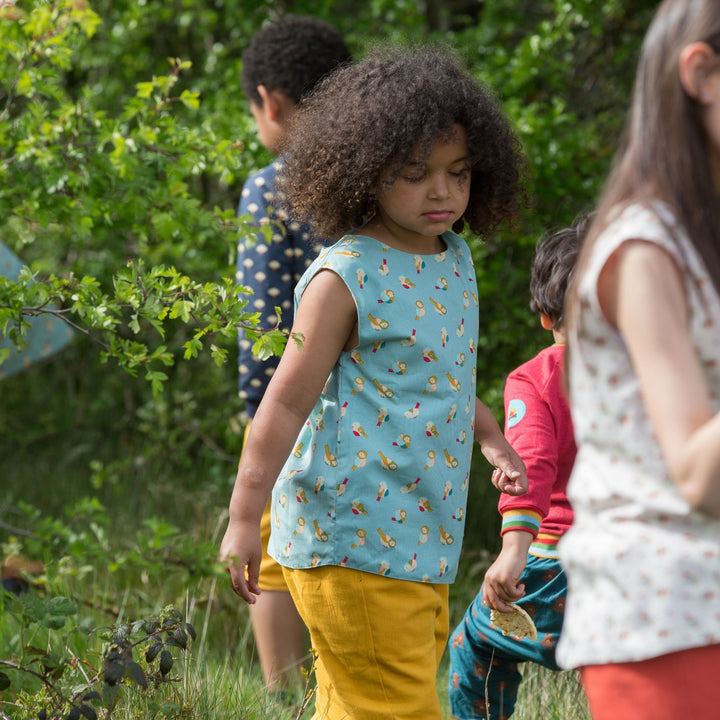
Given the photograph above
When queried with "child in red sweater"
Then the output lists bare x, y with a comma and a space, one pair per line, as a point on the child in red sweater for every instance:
527, 571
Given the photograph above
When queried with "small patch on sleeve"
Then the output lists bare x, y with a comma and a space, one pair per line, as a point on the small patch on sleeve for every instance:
516, 412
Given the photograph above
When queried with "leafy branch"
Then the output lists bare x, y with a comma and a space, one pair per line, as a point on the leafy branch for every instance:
144, 298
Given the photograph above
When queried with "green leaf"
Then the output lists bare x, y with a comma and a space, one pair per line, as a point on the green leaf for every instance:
60, 605
190, 99
88, 712
54, 622
192, 348
153, 651
180, 637
166, 662
145, 89
137, 674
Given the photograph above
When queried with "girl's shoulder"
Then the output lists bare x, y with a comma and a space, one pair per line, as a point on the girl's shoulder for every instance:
652, 222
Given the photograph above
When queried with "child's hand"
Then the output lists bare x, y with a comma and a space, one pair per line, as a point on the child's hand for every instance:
241, 549
502, 580
509, 475
513, 483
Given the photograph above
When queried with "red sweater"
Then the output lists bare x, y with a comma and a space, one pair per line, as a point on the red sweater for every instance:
539, 427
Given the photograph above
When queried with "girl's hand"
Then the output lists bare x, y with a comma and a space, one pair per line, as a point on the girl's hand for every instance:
241, 549
509, 475
502, 580
514, 483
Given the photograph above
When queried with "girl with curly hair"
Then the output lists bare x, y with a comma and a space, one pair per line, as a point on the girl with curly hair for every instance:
365, 432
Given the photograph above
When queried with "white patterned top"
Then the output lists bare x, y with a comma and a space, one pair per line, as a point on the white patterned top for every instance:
643, 568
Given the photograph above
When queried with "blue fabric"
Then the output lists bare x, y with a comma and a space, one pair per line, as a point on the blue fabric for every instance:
45, 336
271, 270
379, 475
472, 643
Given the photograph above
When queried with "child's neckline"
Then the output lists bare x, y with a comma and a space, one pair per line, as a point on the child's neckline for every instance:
386, 246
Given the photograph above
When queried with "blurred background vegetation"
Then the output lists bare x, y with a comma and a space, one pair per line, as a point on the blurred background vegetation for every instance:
124, 136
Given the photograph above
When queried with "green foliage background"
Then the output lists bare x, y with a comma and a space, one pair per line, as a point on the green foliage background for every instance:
124, 137
124, 142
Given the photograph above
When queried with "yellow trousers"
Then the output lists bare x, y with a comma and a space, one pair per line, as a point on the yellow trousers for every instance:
378, 642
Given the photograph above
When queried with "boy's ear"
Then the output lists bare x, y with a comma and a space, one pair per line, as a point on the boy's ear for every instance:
546, 322
269, 104
275, 103
697, 62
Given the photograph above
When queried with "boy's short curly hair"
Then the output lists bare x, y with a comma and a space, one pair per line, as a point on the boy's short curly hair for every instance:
291, 55
363, 122
553, 267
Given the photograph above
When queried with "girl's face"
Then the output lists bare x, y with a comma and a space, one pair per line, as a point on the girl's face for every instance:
711, 116
426, 198
700, 76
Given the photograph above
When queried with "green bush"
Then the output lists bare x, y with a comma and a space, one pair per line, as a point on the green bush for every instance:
124, 142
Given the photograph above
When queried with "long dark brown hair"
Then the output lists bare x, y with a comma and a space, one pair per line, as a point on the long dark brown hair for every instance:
665, 153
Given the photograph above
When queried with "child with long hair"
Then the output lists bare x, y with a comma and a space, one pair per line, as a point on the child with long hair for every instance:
367, 426
484, 676
643, 555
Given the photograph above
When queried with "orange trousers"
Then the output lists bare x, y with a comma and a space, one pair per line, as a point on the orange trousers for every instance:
678, 686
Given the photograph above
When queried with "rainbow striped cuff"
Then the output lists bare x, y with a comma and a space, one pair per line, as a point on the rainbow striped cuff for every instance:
524, 519
545, 545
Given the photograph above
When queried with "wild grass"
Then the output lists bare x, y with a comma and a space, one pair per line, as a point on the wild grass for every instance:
127, 528
219, 677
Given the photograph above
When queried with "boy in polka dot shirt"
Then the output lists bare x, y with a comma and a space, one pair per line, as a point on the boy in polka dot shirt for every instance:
282, 63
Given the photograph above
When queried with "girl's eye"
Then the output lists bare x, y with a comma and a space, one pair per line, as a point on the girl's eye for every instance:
461, 173
413, 178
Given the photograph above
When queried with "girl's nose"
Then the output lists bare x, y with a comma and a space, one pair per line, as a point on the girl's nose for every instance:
440, 186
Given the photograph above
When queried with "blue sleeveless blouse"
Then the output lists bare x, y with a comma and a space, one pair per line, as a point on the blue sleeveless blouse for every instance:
379, 475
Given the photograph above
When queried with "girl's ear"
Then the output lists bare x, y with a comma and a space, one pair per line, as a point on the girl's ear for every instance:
697, 62
546, 322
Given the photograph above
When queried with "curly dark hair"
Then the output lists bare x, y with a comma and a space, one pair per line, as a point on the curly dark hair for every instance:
291, 55
362, 123
553, 268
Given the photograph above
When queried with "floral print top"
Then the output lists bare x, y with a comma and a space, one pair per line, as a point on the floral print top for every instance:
643, 567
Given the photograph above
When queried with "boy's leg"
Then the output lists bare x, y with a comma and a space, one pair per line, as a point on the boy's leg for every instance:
474, 640
279, 638
477, 668
378, 640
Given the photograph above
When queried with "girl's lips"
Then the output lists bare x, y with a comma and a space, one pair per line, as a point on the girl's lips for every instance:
438, 215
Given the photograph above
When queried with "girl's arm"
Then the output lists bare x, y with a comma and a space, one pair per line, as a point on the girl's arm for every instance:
509, 475
642, 295
326, 319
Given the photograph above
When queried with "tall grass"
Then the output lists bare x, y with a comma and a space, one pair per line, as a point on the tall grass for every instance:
220, 677
149, 544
